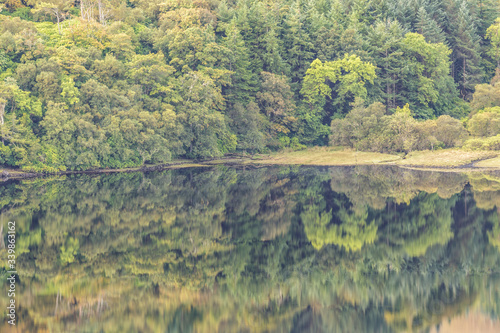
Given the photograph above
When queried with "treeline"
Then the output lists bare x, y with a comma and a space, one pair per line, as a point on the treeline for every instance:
98, 83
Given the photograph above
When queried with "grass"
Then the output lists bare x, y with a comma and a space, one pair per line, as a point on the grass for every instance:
176, 164
446, 158
489, 163
12, 171
326, 156
187, 165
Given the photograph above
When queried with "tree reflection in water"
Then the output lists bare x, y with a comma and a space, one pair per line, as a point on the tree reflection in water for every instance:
365, 249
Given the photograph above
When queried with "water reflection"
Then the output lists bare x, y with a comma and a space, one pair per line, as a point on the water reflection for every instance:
365, 249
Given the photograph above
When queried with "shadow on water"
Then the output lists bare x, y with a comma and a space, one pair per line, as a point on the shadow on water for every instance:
282, 249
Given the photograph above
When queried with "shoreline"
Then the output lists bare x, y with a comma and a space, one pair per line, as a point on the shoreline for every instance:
487, 161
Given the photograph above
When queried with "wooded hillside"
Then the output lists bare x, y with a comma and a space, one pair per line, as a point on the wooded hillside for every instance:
112, 83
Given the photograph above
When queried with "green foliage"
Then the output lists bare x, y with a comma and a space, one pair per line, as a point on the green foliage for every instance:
369, 129
493, 34
352, 234
362, 128
254, 248
486, 96
69, 250
485, 123
491, 143
145, 81
351, 74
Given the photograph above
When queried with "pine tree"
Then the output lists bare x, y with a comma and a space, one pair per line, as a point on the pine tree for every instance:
466, 51
298, 45
244, 83
428, 27
385, 49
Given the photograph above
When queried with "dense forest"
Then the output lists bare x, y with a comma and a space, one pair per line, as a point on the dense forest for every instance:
373, 249
111, 83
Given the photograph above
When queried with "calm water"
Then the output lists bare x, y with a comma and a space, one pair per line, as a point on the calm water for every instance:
288, 249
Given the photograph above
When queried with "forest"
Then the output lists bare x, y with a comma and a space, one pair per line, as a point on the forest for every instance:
112, 84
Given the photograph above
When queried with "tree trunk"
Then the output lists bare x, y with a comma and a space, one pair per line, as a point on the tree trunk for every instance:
463, 78
101, 12
393, 92
388, 84
58, 22
82, 11
2, 111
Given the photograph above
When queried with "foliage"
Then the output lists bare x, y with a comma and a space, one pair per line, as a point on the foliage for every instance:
491, 143
370, 129
137, 81
485, 123
253, 249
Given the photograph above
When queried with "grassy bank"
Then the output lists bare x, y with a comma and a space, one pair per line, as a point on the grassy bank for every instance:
489, 163
447, 158
9, 173
323, 156
327, 156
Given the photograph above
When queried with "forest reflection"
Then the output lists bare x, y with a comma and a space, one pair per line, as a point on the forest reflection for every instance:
288, 249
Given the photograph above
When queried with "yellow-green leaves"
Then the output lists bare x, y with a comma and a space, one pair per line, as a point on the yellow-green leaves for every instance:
429, 63
69, 92
351, 234
151, 73
493, 34
350, 72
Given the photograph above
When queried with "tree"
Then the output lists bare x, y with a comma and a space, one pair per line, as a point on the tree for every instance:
204, 132
450, 131
402, 130
493, 34
465, 44
424, 79
152, 75
57, 8
386, 50
276, 101
485, 96
244, 83
247, 122
361, 128
429, 28
485, 123
350, 73
298, 45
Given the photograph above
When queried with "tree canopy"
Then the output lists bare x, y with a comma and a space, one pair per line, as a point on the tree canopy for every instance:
111, 84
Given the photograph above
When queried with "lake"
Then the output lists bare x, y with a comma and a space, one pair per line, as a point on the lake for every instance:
247, 249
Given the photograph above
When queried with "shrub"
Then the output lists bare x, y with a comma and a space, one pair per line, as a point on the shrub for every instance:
450, 131
491, 143
484, 124
360, 128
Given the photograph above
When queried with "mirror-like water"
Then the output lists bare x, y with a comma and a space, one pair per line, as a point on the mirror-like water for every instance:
365, 249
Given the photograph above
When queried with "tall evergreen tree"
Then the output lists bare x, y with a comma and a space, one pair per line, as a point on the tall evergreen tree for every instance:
298, 45
428, 27
465, 42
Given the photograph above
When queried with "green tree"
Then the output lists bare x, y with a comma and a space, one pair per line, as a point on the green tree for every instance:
58, 8
276, 101
348, 75
493, 34
204, 134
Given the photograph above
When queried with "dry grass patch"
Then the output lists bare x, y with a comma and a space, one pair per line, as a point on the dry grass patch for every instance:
327, 157
186, 165
489, 163
12, 171
445, 158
